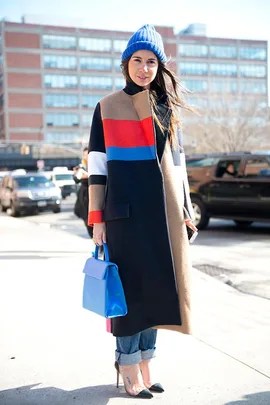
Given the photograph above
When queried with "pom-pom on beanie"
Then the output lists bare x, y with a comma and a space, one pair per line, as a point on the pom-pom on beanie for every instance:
145, 38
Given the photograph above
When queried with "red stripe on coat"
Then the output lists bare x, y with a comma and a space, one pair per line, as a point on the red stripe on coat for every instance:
94, 217
127, 133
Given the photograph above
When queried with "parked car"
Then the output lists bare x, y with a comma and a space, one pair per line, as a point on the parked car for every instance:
231, 186
63, 178
26, 193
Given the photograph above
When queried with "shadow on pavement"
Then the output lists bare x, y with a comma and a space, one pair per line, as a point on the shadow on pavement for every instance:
259, 398
32, 395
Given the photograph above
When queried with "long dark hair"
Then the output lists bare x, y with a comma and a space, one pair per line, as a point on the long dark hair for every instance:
165, 82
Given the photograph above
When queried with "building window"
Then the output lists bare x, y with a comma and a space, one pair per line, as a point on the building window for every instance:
218, 86
62, 137
220, 51
59, 42
253, 53
90, 101
193, 50
96, 63
61, 81
119, 45
223, 69
190, 68
252, 87
62, 120
119, 83
86, 120
60, 62
61, 100
95, 44
96, 82
197, 86
117, 65
252, 70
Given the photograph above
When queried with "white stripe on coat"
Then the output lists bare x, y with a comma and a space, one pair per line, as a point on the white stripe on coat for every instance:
97, 163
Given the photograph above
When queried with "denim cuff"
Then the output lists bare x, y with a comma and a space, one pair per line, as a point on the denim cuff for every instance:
128, 359
148, 354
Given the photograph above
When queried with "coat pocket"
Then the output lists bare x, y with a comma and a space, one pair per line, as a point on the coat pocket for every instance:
116, 211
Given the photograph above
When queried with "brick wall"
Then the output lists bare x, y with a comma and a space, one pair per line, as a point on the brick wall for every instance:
22, 60
25, 120
24, 80
22, 100
21, 40
25, 136
170, 50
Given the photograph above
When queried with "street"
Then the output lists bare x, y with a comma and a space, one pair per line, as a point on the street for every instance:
234, 256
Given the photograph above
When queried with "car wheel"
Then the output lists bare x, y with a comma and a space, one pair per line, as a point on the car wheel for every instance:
56, 210
243, 224
201, 218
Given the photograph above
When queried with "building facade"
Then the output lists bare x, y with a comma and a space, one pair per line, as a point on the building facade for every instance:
52, 77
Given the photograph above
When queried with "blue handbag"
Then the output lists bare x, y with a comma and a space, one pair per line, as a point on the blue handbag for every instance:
102, 290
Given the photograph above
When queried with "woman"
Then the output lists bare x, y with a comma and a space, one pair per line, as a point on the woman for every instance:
140, 204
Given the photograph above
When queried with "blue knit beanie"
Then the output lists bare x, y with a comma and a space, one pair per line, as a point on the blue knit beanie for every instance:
145, 38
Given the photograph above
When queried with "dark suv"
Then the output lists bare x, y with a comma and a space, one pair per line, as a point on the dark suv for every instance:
231, 186
28, 193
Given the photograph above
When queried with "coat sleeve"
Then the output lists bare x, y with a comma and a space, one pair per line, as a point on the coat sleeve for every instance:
97, 169
180, 163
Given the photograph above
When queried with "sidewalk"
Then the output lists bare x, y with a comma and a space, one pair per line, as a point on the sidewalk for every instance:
52, 352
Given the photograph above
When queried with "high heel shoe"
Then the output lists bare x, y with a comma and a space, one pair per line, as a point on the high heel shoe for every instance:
156, 388
144, 393
145, 370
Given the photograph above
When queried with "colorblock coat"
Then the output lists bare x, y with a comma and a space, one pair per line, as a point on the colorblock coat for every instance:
138, 186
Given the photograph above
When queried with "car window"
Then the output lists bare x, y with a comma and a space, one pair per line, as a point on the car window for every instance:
202, 162
32, 181
257, 168
228, 168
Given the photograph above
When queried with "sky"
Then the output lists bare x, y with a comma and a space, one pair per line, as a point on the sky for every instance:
247, 19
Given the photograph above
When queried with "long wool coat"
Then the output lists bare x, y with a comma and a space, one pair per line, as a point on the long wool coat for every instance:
139, 188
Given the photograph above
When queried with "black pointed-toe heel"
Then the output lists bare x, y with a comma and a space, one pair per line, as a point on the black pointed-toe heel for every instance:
156, 388
143, 394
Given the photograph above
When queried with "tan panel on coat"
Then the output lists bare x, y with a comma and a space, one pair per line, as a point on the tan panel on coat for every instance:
141, 103
96, 197
120, 106
179, 240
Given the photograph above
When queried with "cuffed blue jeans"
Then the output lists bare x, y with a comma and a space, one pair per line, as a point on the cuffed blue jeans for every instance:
133, 349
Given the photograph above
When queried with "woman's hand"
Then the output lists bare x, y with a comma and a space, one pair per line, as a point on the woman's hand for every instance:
99, 234
190, 224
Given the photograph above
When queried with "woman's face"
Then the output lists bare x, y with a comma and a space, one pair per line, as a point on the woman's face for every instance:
142, 68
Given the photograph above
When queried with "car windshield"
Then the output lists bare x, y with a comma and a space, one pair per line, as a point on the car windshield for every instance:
32, 181
64, 176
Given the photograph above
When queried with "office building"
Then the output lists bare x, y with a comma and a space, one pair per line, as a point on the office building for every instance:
51, 77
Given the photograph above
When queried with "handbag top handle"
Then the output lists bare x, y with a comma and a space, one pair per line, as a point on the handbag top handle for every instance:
107, 258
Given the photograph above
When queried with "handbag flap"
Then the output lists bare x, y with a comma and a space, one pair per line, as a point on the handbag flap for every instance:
96, 268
